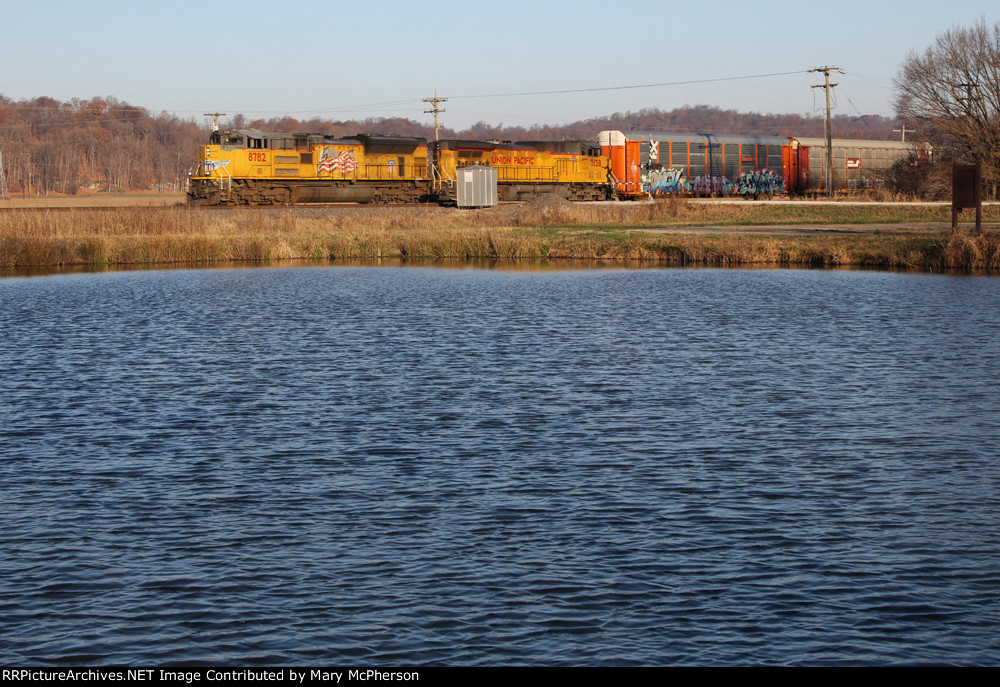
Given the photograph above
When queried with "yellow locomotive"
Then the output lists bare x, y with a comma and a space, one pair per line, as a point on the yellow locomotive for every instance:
572, 169
250, 167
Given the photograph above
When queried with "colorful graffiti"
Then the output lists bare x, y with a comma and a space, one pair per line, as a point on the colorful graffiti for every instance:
663, 181
761, 182
712, 186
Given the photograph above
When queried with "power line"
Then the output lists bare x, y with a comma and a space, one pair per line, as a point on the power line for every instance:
356, 108
622, 88
414, 101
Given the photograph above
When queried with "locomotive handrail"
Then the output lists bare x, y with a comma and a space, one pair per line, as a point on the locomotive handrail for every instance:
225, 181
505, 173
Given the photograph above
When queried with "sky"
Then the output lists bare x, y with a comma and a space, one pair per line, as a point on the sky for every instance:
352, 60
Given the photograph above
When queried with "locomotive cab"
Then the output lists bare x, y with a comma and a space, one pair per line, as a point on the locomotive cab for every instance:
228, 140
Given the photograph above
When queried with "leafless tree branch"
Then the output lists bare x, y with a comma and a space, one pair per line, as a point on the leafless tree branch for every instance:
952, 89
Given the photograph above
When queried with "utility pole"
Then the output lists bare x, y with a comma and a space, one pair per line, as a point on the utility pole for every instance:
829, 126
215, 119
434, 101
904, 131
435, 111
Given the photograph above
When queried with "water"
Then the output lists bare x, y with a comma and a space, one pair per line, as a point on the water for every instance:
472, 467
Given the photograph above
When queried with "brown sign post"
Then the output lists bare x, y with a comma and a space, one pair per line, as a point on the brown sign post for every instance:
966, 192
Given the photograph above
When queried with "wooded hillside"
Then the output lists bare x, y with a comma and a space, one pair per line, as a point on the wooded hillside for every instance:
101, 144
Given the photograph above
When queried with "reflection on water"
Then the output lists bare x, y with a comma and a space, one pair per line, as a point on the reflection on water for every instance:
560, 265
451, 263
476, 467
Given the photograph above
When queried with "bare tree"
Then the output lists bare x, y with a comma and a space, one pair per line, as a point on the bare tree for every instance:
952, 90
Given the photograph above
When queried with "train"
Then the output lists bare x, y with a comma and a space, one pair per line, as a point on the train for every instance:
252, 167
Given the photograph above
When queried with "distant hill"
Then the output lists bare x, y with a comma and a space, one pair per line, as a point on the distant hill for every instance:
104, 144
689, 119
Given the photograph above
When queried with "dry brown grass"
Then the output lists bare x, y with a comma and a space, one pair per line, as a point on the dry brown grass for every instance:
94, 200
546, 229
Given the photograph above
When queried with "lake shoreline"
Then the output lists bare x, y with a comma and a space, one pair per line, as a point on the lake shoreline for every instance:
675, 232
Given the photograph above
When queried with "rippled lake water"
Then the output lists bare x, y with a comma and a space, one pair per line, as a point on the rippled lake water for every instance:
479, 467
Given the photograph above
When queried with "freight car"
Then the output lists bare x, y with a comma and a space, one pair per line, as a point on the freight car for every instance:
857, 164
250, 167
655, 163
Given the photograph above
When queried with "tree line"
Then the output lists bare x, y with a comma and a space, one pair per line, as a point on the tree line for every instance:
47, 146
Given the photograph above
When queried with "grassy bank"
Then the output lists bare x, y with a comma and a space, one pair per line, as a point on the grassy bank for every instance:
553, 230
93, 200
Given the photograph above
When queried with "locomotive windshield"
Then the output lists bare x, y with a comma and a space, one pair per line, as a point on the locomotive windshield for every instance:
227, 138
232, 139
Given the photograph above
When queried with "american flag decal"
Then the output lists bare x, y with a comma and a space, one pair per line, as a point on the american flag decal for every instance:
211, 165
343, 163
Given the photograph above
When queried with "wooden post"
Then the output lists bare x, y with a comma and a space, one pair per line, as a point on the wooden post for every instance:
967, 192
829, 126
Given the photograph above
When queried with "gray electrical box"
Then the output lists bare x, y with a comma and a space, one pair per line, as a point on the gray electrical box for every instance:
476, 186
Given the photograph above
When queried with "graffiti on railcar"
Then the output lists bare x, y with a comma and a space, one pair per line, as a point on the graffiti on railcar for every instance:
712, 186
664, 181
760, 182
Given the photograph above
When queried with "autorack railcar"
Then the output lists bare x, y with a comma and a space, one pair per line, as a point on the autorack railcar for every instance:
857, 164
657, 163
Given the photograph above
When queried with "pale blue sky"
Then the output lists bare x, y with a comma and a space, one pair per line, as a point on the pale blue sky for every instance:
322, 58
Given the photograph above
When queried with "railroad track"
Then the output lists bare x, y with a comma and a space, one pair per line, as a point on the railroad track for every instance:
217, 208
